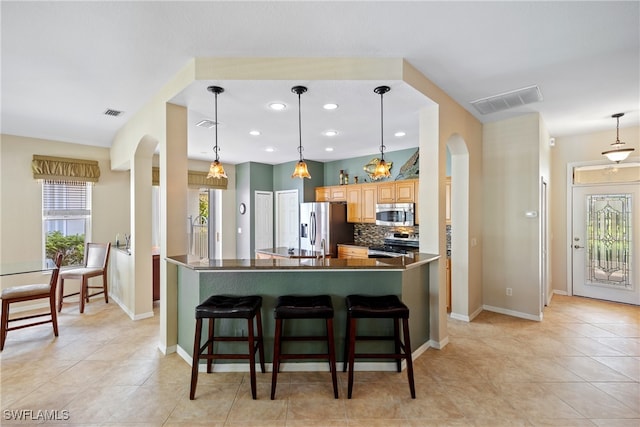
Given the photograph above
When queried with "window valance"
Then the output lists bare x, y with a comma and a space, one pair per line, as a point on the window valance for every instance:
64, 169
195, 179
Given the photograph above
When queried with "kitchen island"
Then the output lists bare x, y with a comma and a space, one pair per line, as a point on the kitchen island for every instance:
406, 277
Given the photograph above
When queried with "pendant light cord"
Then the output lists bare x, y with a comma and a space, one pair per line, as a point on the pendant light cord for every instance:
215, 149
299, 127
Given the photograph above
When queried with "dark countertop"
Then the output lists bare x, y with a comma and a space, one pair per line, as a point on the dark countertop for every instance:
283, 251
312, 264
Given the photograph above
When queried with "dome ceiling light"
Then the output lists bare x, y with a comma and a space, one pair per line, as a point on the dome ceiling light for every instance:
617, 153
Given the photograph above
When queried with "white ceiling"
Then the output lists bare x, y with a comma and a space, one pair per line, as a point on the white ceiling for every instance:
64, 63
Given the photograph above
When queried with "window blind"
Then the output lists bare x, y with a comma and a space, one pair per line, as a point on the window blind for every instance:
65, 199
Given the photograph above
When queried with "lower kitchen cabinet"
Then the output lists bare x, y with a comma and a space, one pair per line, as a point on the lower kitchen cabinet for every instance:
352, 251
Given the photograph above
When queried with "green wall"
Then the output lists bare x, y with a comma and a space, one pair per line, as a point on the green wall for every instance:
354, 166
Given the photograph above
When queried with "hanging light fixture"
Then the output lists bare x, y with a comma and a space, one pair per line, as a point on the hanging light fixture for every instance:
617, 153
382, 168
216, 170
301, 170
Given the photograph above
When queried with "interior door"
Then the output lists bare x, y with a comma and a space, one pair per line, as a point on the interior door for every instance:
263, 220
605, 240
287, 215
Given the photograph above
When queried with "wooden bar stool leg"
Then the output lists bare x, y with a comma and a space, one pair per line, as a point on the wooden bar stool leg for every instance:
276, 357
407, 352
260, 341
252, 358
210, 344
196, 359
332, 356
347, 340
397, 343
352, 351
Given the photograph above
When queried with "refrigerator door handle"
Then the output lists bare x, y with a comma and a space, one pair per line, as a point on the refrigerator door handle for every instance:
312, 220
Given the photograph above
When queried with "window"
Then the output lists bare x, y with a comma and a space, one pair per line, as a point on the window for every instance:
66, 220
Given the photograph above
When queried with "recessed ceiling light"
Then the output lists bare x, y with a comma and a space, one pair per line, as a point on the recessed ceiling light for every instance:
330, 106
278, 106
254, 132
399, 134
269, 149
328, 149
330, 133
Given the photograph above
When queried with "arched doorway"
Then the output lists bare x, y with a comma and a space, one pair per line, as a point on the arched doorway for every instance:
458, 234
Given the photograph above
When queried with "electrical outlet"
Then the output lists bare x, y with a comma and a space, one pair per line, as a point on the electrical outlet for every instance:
509, 292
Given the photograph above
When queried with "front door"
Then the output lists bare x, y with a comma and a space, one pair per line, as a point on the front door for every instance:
606, 233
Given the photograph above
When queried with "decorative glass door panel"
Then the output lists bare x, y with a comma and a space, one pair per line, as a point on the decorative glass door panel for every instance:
609, 240
604, 246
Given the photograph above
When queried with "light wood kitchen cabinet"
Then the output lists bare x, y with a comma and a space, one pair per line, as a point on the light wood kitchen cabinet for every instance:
338, 193
368, 203
334, 193
398, 191
351, 251
405, 191
323, 194
354, 203
387, 192
361, 203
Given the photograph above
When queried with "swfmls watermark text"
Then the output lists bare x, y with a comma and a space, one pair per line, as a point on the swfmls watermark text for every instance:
36, 415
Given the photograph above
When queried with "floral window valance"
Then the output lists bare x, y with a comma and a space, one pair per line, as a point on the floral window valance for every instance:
195, 179
64, 169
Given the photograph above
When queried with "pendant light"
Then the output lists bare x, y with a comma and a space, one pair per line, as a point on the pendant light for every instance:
216, 170
301, 170
617, 153
382, 168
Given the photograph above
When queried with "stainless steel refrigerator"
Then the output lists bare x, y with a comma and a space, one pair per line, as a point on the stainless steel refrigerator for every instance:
324, 223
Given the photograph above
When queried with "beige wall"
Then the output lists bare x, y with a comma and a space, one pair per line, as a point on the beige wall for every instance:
513, 164
572, 149
21, 199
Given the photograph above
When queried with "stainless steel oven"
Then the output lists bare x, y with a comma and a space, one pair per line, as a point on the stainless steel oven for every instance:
395, 214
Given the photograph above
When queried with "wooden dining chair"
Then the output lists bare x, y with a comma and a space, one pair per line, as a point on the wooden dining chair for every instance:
27, 293
96, 258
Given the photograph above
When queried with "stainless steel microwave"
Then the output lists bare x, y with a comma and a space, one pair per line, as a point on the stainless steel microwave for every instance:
395, 214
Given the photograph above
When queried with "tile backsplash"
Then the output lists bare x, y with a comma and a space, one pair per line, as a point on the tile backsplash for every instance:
371, 234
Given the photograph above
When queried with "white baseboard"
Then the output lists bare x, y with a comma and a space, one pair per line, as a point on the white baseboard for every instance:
439, 345
464, 317
129, 312
513, 313
560, 292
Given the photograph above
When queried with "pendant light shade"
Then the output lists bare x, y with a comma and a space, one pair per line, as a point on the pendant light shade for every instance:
617, 153
382, 168
216, 170
301, 170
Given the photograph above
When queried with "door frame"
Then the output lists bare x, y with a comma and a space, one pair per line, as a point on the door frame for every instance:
569, 204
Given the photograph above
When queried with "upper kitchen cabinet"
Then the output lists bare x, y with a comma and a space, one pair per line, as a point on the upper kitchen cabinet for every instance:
398, 191
335, 193
361, 203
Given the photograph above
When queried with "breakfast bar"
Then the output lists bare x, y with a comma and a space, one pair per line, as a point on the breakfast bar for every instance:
406, 277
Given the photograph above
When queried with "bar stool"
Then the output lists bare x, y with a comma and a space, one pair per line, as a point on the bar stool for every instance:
378, 307
303, 307
228, 307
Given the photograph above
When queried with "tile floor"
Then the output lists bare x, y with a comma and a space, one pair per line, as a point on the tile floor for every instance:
579, 367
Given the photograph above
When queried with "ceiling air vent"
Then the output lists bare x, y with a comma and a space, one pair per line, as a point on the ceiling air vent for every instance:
114, 113
208, 124
511, 99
